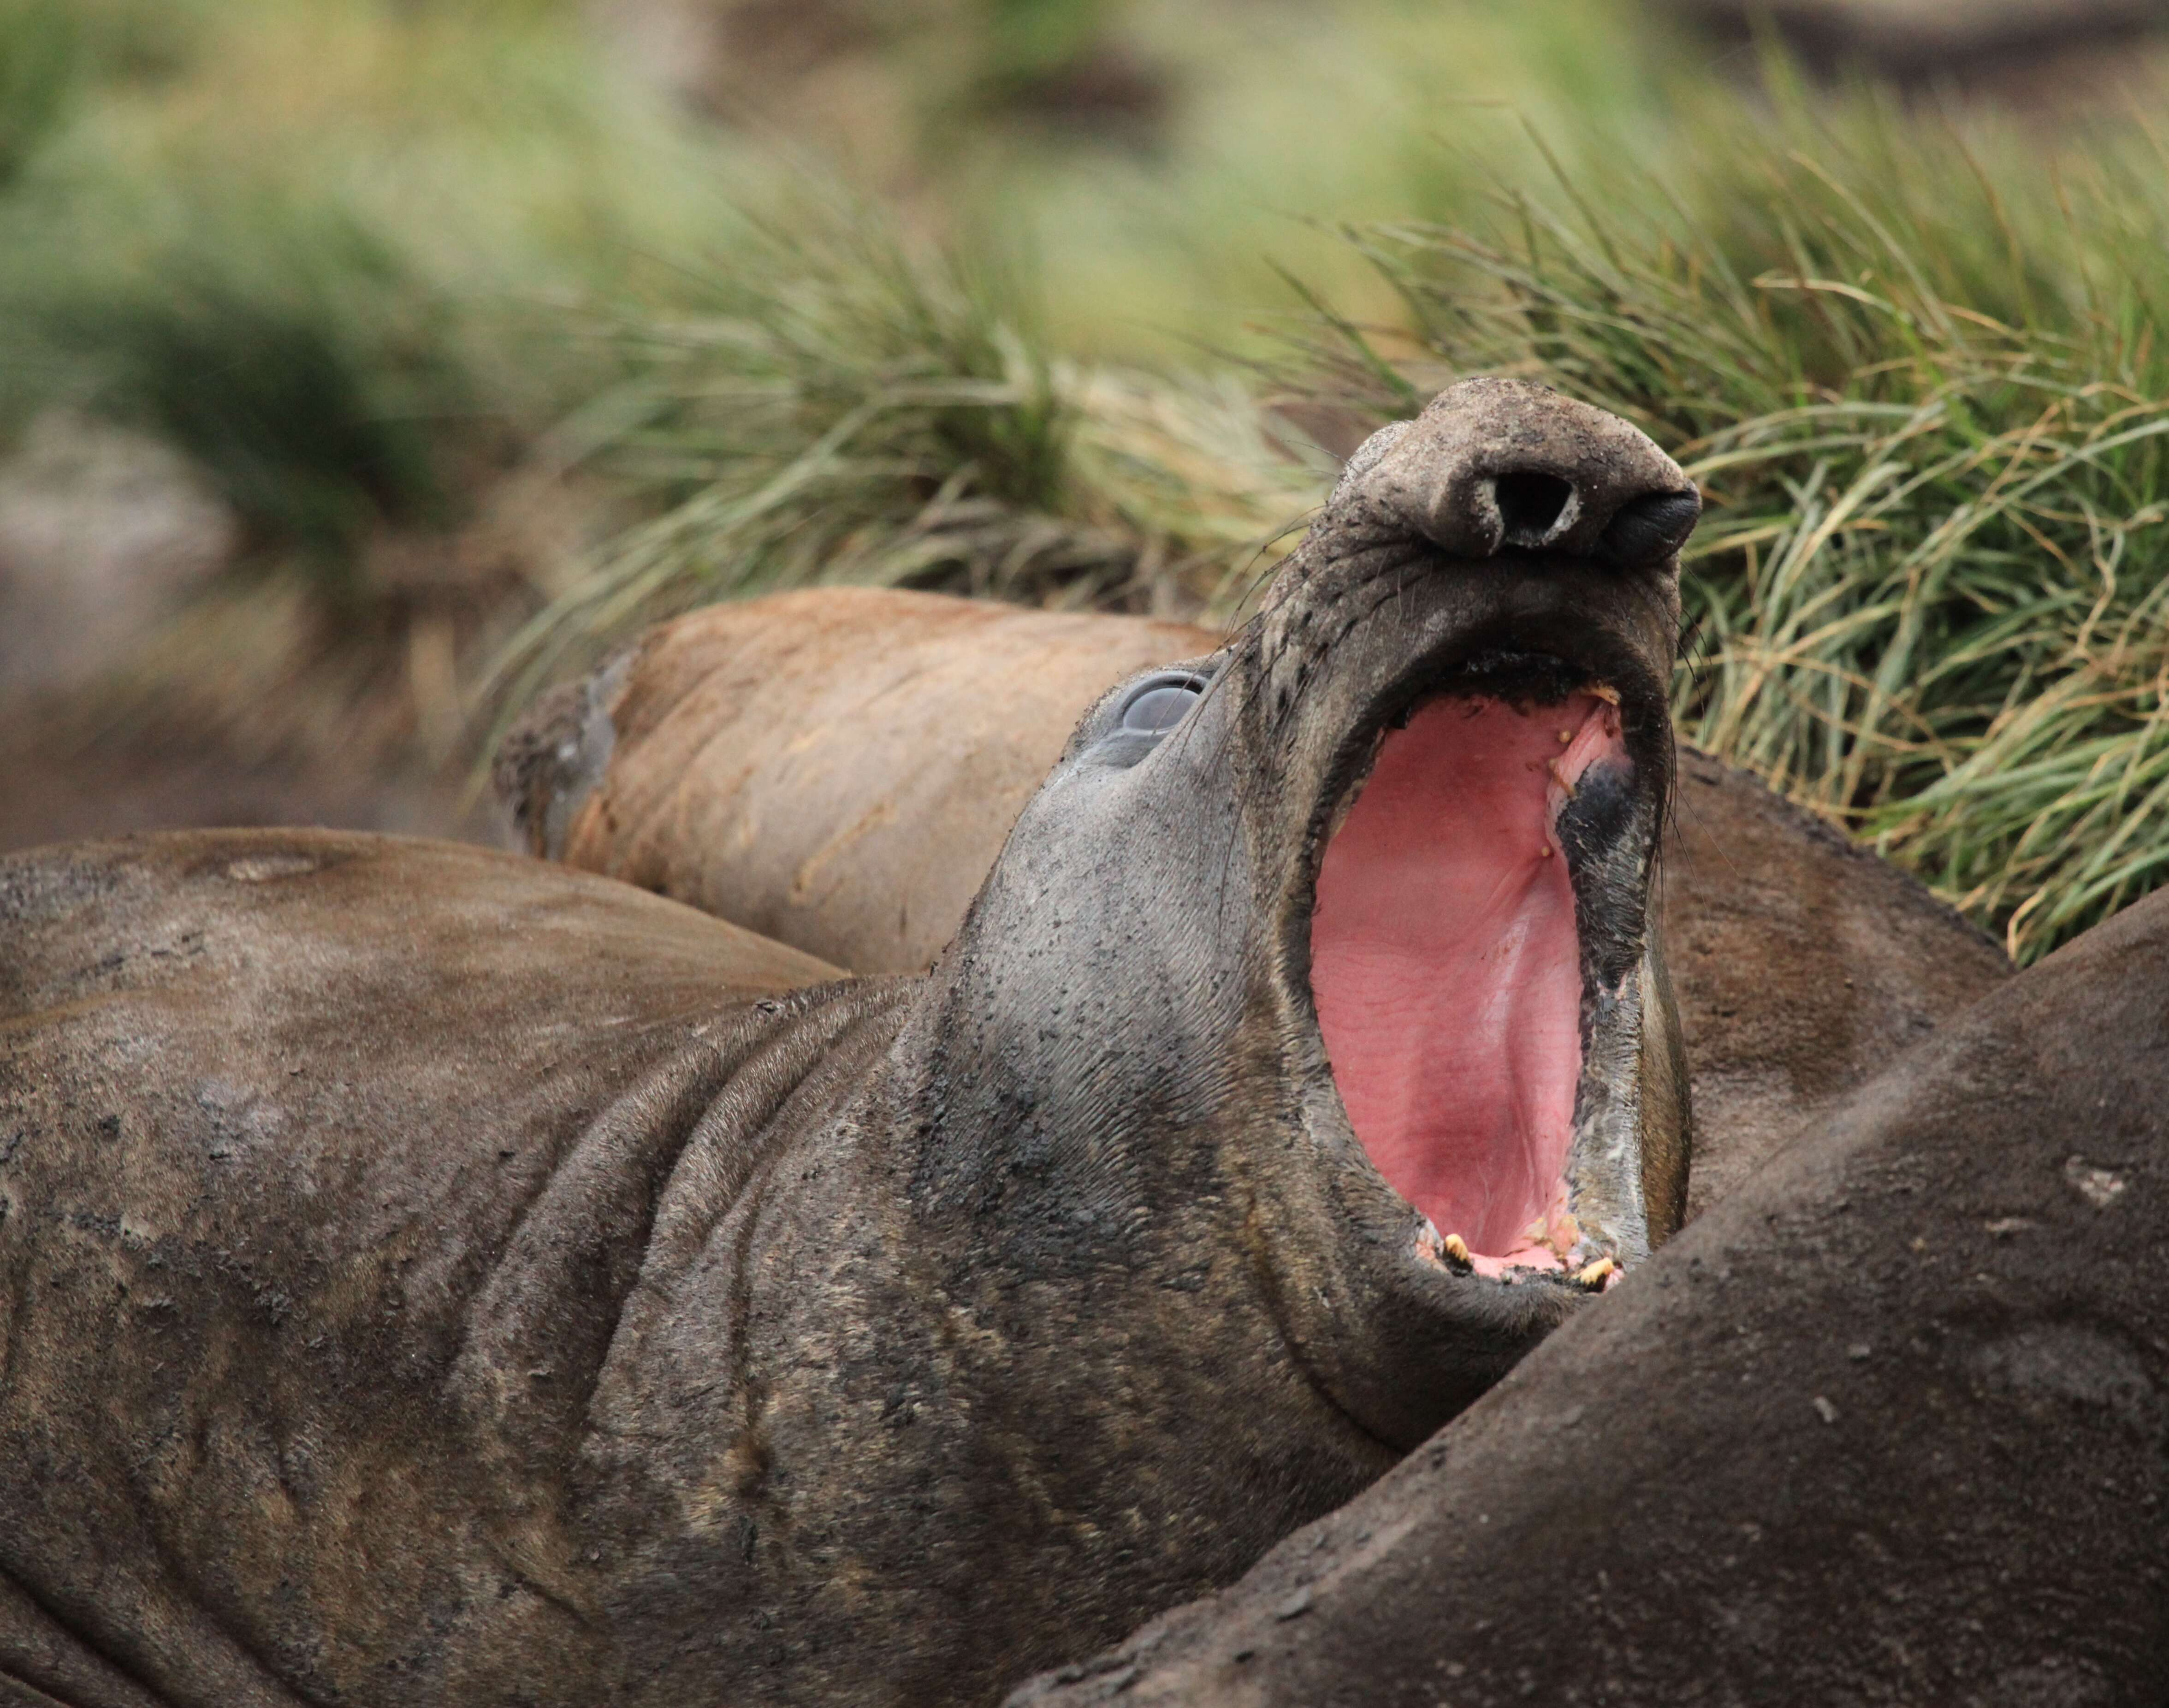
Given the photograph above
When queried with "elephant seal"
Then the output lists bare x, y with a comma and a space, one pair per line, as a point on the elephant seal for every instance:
414, 1294
1887, 1425
836, 768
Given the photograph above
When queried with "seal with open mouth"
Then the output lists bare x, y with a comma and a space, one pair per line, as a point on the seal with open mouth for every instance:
427, 1276
837, 767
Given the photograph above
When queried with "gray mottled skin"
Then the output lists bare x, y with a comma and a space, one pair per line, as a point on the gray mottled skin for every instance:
431, 1277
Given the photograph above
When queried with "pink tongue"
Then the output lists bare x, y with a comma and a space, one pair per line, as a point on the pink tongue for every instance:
1445, 970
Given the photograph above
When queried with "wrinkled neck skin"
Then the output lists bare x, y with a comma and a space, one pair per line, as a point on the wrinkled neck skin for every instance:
1126, 1087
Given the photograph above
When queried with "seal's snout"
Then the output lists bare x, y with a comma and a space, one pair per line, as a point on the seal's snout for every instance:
1496, 466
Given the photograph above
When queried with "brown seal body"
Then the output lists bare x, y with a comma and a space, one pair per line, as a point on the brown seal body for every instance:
835, 768
1887, 1425
838, 768
1803, 965
429, 1276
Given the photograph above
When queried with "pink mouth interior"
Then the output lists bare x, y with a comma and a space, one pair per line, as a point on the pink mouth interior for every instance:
1446, 972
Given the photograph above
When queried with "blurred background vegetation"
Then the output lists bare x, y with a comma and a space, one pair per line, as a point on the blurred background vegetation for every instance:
369, 363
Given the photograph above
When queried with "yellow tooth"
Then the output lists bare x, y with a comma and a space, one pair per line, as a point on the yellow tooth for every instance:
1595, 1272
1565, 736
1455, 1247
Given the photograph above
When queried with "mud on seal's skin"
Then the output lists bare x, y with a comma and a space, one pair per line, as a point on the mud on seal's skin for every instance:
455, 1279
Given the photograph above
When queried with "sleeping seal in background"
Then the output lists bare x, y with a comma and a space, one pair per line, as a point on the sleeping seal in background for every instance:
427, 1276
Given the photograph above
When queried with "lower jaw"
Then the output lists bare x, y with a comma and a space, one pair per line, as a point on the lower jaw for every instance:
1446, 972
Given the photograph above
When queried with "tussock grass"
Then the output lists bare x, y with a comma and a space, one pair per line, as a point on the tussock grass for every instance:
324, 249
291, 352
848, 409
1287, 120
1912, 361
39, 46
1915, 368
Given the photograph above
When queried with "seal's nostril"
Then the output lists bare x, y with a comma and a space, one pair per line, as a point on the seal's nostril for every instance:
1655, 525
1529, 504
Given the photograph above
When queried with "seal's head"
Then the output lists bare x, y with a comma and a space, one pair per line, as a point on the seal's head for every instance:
1337, 938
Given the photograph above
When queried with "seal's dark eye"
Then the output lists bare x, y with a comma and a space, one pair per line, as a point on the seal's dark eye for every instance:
1159, 703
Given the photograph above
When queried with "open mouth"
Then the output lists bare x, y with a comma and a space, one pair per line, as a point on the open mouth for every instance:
1446, 960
